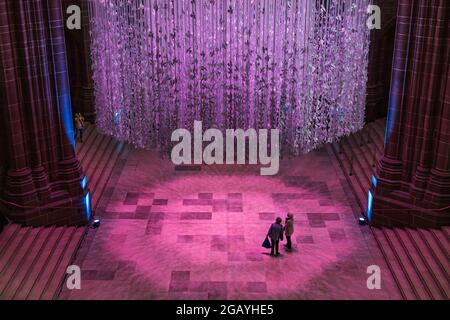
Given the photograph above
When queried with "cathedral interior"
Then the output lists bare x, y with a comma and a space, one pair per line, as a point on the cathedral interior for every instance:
92, 94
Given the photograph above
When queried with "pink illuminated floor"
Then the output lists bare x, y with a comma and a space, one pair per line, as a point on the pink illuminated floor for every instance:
196, 233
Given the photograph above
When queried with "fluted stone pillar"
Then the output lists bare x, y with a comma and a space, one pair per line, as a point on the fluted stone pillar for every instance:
42, 177
413, 175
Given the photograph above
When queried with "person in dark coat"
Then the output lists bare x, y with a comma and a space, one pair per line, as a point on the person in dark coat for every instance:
275, 234
289, 230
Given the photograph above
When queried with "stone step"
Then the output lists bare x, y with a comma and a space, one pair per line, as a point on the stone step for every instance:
15, 243
376, 141
6, 237
357, 169
342, 154
35, 264
429, 259
446, 231
27, 264
39, 264
92, 152
394, 265
59, 272
96, 156
16, 259
86, 136
51, 264
107, 168
442, 241
354, 182
434, 248
102, 155
357, 157
90, 145
418, 260
98, 159
363, 152
406, 265
420, 267
352, 153
379, 127
82, 146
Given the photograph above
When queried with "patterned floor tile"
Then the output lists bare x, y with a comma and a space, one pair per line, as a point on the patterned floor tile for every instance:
305, 239
195, 232
256, 287
269, 216
160, 202
131, 198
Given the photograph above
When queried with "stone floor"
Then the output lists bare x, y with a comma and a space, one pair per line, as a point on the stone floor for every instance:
195, 233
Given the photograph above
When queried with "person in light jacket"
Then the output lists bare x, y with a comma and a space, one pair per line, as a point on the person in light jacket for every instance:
275, 234
289, 230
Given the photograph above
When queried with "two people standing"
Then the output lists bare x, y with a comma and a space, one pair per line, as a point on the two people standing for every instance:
275, 234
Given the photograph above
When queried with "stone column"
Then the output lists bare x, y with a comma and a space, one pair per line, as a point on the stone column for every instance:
18, 185
414, 174
390, 166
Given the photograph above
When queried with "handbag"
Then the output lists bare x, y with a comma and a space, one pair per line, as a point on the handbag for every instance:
266, 243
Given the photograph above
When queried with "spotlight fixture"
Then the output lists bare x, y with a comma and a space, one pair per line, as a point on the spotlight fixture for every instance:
362, 221
95, 222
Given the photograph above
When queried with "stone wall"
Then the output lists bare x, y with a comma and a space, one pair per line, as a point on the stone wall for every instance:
41, 169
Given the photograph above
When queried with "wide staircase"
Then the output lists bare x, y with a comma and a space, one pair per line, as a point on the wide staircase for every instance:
417, 258
98, 155
34, 260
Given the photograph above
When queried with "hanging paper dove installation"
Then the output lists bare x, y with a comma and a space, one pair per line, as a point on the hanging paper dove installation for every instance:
299, 66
